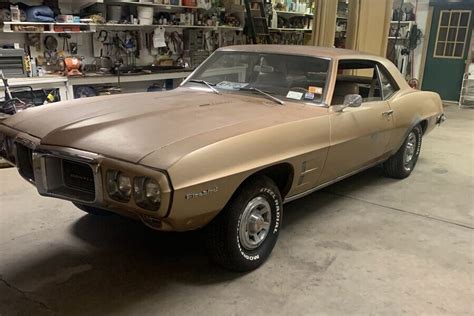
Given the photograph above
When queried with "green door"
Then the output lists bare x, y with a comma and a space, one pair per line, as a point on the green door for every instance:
448, 49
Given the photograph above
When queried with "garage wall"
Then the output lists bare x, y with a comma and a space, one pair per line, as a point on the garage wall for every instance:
325, 23
84, 43
368, 25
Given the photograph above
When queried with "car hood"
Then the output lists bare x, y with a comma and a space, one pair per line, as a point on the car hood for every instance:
132, 126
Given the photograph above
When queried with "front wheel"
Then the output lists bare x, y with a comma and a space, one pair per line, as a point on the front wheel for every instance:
243, 235
401, 164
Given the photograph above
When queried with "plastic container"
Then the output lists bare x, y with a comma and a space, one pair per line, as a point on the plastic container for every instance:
145, 13
146, 21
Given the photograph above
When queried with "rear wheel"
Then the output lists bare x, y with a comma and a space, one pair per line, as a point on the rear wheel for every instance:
401, 164
92, 210
243, 235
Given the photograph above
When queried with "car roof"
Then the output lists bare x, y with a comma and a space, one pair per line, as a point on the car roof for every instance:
315, 51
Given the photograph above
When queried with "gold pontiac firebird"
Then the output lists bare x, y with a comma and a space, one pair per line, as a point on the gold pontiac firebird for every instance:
251, 128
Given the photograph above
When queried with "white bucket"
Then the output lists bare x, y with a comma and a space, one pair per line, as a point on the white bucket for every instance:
145, 13
145, 21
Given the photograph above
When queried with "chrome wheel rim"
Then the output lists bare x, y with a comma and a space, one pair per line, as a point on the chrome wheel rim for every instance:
410, 150
255, 223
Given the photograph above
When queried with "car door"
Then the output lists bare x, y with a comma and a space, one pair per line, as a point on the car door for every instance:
359, 135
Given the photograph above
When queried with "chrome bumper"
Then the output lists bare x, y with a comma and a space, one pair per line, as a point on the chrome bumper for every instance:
440, 119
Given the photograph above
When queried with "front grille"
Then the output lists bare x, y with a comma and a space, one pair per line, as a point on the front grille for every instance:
4, 150
78, 176
7, 148
24, 161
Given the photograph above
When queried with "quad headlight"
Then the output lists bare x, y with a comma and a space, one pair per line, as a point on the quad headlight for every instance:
146, 191
119, 186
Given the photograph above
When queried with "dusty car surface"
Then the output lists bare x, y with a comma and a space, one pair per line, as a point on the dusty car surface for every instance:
252, 128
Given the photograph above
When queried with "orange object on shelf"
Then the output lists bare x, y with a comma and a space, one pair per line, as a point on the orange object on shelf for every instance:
67, 28
189, 3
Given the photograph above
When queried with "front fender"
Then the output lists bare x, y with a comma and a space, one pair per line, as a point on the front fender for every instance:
205, 180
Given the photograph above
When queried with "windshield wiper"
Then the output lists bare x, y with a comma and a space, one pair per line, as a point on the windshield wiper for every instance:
275, 99
208, 84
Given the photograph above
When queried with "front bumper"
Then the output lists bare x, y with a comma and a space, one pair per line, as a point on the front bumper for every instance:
79, 176
440, 119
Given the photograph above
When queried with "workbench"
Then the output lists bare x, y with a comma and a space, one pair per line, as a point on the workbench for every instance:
125, 79
39, 83
65, 85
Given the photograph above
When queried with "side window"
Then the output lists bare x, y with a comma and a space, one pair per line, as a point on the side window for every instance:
389, 86
357, 77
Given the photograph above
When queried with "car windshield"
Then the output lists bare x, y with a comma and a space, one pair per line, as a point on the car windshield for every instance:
286, 77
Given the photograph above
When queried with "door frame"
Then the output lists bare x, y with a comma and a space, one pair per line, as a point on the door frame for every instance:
456, 5
425, 44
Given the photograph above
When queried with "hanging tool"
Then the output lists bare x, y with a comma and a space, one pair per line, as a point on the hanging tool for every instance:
65, 38
103, 35
50, 45
107, 44
257, 26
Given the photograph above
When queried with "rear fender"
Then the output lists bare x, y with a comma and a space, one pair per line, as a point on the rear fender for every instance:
410, 109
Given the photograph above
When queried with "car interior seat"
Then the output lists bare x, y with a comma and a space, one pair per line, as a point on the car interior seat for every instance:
272, 76
342, 89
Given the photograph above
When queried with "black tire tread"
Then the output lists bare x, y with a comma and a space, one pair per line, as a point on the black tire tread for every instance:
394, 167
218, 237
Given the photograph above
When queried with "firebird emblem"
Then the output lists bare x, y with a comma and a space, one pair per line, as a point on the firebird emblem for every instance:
203, 193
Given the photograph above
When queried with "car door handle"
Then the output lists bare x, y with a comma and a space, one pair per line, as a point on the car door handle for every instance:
387, 113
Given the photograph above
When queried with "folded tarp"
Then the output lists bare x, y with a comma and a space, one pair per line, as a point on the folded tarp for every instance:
40, 13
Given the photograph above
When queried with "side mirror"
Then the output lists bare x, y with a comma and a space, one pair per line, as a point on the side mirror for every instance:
350, 100
353, 100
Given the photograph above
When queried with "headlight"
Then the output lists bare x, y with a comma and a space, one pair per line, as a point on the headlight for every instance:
119, 186
124, 185
147, 193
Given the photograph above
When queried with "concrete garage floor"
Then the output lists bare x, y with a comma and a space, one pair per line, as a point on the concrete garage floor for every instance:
366, 245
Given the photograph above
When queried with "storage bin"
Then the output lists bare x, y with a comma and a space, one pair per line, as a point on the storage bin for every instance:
145, 21
145, 13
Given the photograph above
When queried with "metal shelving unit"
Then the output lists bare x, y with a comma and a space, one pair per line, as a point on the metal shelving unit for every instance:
466, 98
92, 28
402, 23
293, 13
284, 29
8, 27
151, 4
